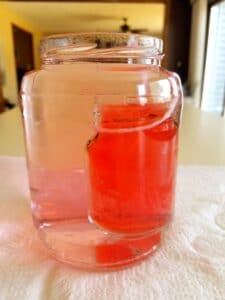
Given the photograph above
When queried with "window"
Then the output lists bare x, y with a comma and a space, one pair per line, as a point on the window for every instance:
213, 97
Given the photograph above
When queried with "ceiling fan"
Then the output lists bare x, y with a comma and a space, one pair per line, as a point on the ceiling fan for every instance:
126, 28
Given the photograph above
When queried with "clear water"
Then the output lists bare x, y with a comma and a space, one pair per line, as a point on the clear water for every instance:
97, 151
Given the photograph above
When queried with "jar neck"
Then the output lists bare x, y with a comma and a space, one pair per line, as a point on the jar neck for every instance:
102, 48
153, 61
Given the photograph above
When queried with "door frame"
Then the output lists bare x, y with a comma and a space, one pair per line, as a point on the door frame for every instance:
13, 25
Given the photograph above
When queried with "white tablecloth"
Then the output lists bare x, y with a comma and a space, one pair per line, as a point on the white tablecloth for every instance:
189, 265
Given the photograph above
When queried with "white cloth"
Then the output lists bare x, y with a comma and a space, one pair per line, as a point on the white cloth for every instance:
189, 265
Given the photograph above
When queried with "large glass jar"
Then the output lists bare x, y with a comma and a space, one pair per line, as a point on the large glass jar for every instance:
101, 122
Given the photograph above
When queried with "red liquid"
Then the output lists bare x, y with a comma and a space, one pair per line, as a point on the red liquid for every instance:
133, 172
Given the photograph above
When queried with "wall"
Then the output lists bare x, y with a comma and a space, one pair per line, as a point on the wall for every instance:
197, 48
56, 17
7, 61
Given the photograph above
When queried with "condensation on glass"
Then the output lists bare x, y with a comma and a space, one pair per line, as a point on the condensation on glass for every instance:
101, 122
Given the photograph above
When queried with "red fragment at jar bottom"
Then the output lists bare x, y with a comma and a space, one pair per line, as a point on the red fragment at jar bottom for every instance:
132, 173
126, 249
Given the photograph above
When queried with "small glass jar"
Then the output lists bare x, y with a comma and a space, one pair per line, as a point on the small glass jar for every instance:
101, 122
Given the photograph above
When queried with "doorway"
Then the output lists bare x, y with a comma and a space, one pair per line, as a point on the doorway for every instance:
23, 52
177, 37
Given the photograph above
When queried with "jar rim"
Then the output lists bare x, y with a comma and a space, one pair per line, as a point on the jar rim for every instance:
99, 46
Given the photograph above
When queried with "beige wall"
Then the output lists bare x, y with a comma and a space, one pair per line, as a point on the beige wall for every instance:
7, 61
198, 36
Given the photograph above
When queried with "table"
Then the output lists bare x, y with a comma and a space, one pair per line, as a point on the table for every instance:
189, 265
